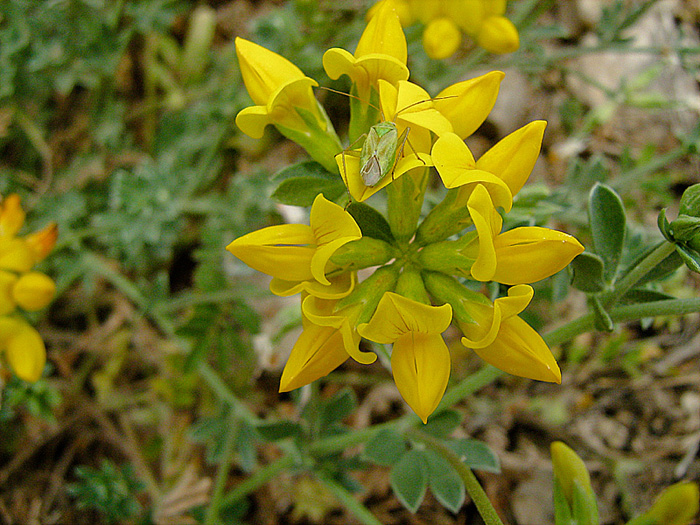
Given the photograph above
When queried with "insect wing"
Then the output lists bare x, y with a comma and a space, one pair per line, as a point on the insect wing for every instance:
387, 148
371, 171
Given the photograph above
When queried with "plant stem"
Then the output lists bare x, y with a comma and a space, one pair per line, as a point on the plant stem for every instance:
623, 313
348, 500
476, 492
655, 257
259, 478
212, 514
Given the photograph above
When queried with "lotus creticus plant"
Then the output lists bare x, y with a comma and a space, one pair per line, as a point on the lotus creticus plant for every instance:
422, 259
22, 289
444, 21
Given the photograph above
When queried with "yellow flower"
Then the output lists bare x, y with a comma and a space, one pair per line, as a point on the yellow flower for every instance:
420, 360
381, 54
23, 348
504, 340
498, 35
33, 291
11, 216
441, 38
283, 97
295, 252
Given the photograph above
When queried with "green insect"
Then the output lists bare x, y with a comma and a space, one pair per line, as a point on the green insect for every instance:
382, 149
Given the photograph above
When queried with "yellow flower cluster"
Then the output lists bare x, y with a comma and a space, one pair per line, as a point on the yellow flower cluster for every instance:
21, 288
446, 20
416, 290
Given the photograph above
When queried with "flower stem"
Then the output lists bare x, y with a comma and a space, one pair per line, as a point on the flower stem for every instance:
476, 492
258, 479
212, 514
655, 257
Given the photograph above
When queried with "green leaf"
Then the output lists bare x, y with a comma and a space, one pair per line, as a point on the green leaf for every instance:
690, 201
690, 257
476, 454
277, 430
409, 479
301, 191
385, 448
443, 424
338, 407
371, 222
444, 482
588, 273
606, 215
644, 295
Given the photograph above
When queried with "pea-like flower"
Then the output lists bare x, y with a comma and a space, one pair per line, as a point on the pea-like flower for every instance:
420, 360
297, 256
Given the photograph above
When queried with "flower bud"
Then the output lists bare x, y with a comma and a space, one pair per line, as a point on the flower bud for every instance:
363, 253
676, 505
33, 291
441, 38
498, 35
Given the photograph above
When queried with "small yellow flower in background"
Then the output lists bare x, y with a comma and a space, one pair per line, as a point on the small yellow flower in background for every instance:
444, 22
297, 253
20, 287
420, 360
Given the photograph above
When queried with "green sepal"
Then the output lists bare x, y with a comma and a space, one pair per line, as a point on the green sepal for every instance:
371, 222
606, 215
446, 289
385, 448
405, 202
363, 113
665, 226
562, 512
322, 144
363, 253
449, 217
447, 256
584, 508
411, 286
588, 269
444, 481
409, 479
685, 228
370, 291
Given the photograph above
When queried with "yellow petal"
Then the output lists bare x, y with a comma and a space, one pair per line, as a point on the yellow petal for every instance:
488, 223
530, 254
520, 350
456, 167
253, 120
11, 215
467, 14
397, 315
412, 104
263, 70
318, 351
282, 251
570, 470
24, 349
467, 104
384, 35
420, 363
514, 156
498, 35
340, 286
441, 38
343, 321
33, 291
